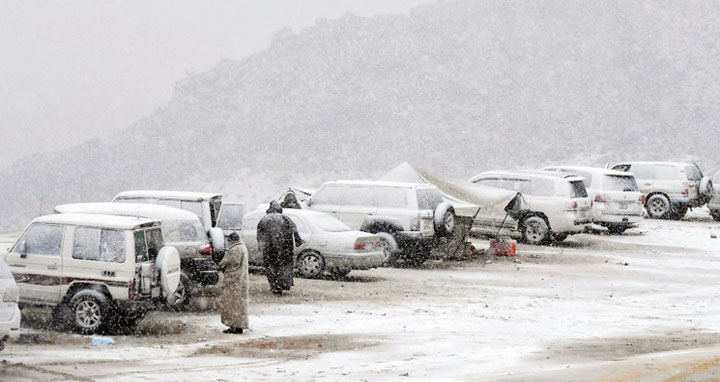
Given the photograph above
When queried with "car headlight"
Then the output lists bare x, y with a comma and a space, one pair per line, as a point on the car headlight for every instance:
11, 295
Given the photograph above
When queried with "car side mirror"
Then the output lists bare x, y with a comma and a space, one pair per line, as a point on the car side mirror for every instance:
309, 201
21, 249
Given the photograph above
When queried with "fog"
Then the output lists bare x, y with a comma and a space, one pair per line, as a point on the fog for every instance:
75, 70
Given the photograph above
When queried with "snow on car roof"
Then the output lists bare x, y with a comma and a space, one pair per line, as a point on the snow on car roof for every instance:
150, 211
534, 173
177, 195
381, 183
604, 171
97, 220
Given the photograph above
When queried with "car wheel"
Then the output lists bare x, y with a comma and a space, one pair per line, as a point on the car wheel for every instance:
445, 220
658, 206
617, 229
89, 312
311, 265
389, 246
715, 215
535, 230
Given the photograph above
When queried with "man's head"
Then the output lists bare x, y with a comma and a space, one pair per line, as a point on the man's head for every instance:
274, 207
233, 237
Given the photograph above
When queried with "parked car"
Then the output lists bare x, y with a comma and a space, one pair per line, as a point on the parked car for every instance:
714, 203
95, 270
558, 205
329, 244
180, 228
408, 217
217, 216
670, 188
617, 201
9, 312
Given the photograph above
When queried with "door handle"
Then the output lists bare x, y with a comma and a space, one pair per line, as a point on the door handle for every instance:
52, 266
18, 265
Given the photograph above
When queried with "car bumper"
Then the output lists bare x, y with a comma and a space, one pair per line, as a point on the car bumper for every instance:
11, 326
629, 217
358, 260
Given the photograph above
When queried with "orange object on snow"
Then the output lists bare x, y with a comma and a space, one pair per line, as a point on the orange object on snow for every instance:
503, 247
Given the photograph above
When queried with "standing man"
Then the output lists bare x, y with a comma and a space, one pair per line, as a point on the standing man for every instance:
235, 296
275, 233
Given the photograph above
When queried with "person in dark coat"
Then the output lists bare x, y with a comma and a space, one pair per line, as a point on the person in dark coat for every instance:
290, 201
277, 237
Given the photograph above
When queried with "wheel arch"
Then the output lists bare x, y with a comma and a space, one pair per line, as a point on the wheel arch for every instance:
99, 290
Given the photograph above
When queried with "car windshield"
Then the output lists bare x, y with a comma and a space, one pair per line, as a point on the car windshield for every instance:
5, 271
577, 189
330, 224
429, 199
620, 183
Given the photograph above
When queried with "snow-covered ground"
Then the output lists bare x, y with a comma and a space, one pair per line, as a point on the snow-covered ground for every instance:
636, 307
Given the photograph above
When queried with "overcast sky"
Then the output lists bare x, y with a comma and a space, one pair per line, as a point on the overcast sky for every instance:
73, 70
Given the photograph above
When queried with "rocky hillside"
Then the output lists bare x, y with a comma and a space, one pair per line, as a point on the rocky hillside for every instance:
456, 86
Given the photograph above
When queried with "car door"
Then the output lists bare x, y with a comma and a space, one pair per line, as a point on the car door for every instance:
357, 204
249, 236
306, 234
230, 218
36, 262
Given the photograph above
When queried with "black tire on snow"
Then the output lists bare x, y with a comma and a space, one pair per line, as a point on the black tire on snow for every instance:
444, 220
535, 230
90, 312
311, 265
658, 206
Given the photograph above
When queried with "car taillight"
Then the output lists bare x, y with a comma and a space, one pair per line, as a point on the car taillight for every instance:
686, 192
377, 244
11, 295
572, 206
360, 246
599, 199
206, 250
642, 199
132, 290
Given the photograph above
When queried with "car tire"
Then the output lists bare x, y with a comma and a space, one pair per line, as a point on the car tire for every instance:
658, 206
444, 220
90, 311
535, 230
617, 229
715, 215
311, 265
389, 245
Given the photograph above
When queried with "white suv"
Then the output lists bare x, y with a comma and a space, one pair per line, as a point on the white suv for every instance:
9, 312
95, 270
406, 216
670, 188
714, 203
617, 201
558, 205
180, 228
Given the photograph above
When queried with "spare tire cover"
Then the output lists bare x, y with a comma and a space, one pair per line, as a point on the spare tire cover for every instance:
217, 239
168, 263
706, 186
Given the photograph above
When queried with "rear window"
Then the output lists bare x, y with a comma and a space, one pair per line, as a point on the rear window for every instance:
154, 242
693, 173
577, 189
620, 183
231, 216
183, 230
328, 223
429, 199
5, 271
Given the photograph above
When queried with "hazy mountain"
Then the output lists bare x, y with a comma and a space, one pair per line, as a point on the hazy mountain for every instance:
456, 87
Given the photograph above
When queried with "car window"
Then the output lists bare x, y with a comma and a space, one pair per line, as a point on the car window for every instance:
587, 176
328, 195
215, 207
183, 230
169, 203
620, 183
577, 189
392, 197
693, 173
642, 171
99, 244
622, 167
5, 271
666, 173
300, 224
135, 200
231, 216
141, 253
154, 240
542, 187
42, 239
358, 196
328, 223
516, 184
194, 207
429, 199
